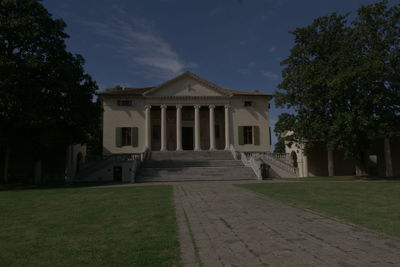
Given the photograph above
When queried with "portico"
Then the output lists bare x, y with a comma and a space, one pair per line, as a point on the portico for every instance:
187, 127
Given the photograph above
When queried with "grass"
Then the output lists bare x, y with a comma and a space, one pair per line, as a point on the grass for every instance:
126, 226
340, 179
373, 204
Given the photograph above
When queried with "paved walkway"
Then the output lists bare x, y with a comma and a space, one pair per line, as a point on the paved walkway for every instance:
223, 225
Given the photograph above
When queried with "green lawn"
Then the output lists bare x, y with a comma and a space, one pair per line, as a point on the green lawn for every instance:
373, 204
126, 226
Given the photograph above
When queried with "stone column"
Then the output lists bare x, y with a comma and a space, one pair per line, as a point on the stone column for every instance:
197, 128
212, 128
147, 134
388, 158
305, 165
178, 127
227, 131
163, 127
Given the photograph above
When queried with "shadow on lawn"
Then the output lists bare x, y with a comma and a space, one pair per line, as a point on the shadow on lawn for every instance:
14, 187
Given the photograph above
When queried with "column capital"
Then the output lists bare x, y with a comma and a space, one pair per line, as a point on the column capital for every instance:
211, 106
197, 106
227, 106
163, 106
147, 106
178, 106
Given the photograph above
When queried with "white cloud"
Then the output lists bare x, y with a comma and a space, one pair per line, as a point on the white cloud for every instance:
251, 64
138, 41
215, 11
272, 49
243, 71
270, 75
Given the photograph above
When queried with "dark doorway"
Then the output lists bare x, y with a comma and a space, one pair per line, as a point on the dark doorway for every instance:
187, 138
293, 157
117, 173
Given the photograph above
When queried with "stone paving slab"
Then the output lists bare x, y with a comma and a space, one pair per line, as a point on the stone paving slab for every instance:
224, 225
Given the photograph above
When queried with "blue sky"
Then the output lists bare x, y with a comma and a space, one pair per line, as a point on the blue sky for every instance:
234, 43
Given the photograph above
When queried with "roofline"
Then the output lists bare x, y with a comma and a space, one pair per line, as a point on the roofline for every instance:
105, 94
150, 89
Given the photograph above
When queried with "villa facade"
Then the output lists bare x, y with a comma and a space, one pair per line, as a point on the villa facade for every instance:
184, 113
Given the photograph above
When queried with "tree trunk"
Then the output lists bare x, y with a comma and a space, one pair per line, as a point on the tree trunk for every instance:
388, 158
38, 172
6, 160
362, 164
331, 166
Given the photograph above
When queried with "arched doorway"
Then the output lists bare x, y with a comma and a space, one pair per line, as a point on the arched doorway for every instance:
293, 157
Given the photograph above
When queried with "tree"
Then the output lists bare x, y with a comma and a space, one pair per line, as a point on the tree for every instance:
339, 78
46, 98
280, 146
285, 123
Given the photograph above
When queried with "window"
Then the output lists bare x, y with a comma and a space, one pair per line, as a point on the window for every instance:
247, 135
248, 103
124, 103
126, 136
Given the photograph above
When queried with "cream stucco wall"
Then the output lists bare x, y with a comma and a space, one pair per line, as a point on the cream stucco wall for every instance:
119, 116
255, 115
71, 163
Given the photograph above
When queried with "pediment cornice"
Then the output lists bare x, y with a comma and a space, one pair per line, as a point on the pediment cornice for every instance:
200, 80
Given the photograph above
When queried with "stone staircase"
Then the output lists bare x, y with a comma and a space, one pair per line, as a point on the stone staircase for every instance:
280, 164
177, 166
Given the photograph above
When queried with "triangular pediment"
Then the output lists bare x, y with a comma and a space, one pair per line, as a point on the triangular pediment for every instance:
186, 84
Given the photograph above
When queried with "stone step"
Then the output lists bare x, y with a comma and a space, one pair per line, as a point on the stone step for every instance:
195, 174
190, 163
191, 155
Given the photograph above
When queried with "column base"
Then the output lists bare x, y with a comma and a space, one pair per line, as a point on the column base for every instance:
179, 149
213, 149
197, 149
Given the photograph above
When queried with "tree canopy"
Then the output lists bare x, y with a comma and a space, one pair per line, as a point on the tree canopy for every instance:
46, 97
342, 80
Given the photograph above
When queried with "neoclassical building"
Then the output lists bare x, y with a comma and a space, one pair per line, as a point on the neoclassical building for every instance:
184, 113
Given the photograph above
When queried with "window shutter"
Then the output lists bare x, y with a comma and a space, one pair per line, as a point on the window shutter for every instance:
118, 137
135, 136
256, 130
241, 137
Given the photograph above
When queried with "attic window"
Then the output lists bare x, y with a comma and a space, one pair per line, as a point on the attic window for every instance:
248, 103
124, 103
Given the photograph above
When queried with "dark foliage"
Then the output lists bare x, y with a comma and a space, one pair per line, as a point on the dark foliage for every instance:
46, 97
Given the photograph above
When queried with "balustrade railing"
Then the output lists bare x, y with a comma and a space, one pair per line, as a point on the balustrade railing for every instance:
94, 162
281, 160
